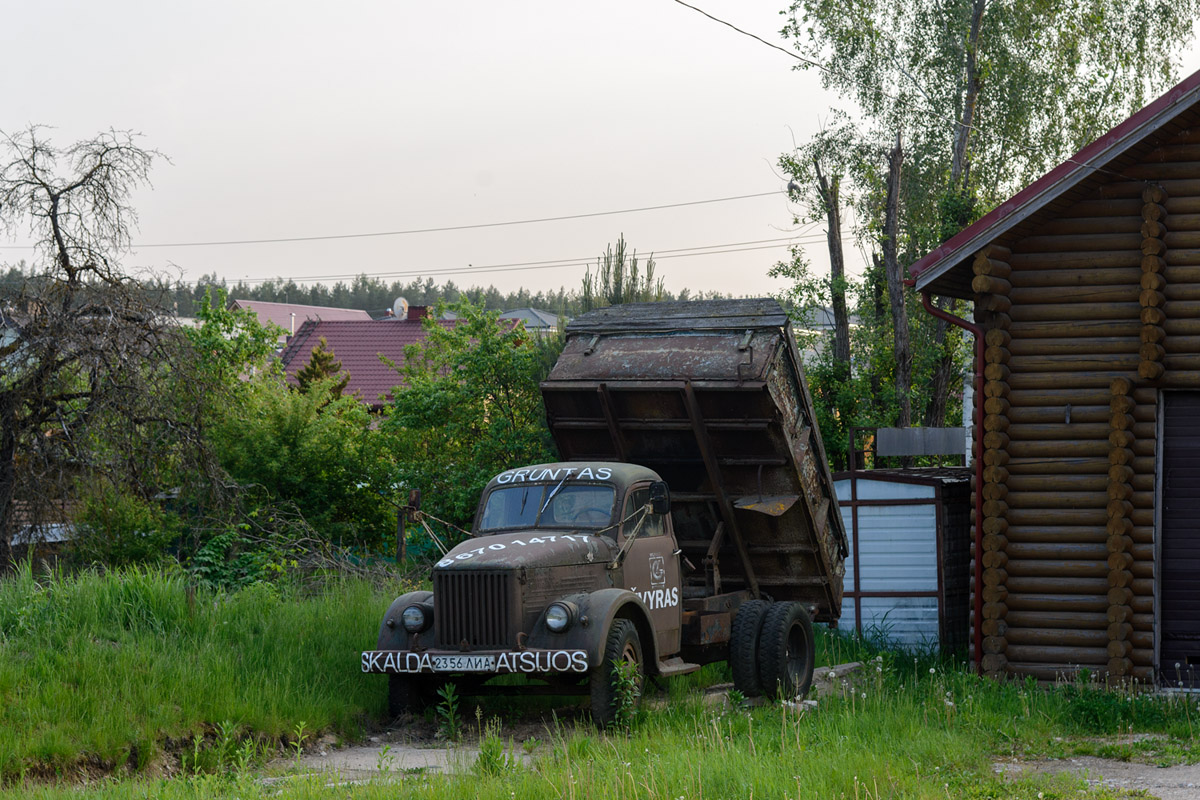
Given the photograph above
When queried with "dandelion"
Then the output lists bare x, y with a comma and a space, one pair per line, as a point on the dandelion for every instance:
832, 674
932, 670
864, 695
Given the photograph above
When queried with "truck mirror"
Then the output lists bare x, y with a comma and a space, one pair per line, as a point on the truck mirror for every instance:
660, 498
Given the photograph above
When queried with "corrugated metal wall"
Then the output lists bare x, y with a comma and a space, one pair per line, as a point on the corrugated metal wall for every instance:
893, 588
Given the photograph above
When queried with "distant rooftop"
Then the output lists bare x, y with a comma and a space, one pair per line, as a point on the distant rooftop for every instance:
534, 319
290, 316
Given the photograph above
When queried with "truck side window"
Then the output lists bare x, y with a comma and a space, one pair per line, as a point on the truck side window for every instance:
636, 500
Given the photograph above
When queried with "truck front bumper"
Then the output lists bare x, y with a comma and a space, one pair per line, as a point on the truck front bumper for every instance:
496, 662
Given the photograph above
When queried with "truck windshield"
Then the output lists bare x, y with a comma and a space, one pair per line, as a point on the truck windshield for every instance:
541, 506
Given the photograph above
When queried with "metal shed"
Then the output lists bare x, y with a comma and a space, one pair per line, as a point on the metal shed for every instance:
908, 572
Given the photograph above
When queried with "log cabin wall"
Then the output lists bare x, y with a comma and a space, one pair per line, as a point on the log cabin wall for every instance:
1087, 318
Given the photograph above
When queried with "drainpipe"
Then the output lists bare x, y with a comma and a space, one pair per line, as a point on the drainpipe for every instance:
979, 348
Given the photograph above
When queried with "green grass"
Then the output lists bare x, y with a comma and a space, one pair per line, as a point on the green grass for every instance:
105, 670
106, 673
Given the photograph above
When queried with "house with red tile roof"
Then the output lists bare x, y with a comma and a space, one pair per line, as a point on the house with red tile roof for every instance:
359, 345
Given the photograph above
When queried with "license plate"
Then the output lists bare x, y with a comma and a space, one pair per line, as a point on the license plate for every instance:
464, 663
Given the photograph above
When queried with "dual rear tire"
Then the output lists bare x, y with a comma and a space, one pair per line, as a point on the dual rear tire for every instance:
772, 650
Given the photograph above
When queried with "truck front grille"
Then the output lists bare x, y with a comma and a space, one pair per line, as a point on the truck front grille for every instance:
475, 606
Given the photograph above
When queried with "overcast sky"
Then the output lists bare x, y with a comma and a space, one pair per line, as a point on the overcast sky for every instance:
293, 119
304, 119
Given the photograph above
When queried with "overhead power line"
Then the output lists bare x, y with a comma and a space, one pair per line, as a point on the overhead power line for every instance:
684, 252
473, 226
447, 228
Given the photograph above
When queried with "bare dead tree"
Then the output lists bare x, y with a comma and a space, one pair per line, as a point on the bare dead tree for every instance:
88, 366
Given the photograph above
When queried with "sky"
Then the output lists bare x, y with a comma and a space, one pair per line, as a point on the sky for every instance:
304, 119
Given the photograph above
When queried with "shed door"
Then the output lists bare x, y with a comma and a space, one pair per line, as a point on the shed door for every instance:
1180, 555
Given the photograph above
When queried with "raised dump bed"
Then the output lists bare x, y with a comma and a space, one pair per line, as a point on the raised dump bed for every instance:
711, 396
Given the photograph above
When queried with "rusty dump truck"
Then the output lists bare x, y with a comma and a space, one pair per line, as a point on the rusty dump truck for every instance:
691, 519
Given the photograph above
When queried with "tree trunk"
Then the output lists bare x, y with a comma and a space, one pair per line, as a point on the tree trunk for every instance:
8, 479
895, 284
876, 286
959, 165
837, 266
935, 412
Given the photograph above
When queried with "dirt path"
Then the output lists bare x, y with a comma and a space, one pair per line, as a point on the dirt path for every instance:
1168, 783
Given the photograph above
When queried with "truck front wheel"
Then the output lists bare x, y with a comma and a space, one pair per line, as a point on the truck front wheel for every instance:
608, 688
408, 694
786, 651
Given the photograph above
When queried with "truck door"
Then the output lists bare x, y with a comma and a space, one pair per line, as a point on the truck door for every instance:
652, 567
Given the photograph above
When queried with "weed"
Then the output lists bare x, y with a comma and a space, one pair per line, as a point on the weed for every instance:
299, 734
494, 758
450, 723
383, 762
627, 686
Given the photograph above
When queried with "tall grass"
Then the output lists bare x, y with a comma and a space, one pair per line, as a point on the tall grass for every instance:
106, 669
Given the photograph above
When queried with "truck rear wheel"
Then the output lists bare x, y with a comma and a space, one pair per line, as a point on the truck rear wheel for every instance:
408, 694
786, 651
621, 647
743, 647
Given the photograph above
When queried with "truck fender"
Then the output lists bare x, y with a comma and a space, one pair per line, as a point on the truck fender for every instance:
597, 611
394, 637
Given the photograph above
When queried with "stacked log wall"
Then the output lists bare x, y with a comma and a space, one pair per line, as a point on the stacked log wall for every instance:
1105, 312
992, 302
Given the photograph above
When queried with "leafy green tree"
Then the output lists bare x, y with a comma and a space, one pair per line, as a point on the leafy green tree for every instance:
469, 408
1001, 90
979, 97
231, 344
320, 455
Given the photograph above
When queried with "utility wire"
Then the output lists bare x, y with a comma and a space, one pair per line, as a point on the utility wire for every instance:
523, 267
798, 236
411, 231
460, 227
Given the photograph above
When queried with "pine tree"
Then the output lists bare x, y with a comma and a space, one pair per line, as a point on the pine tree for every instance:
321, 366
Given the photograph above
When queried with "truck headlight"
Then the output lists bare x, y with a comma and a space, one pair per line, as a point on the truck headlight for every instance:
415, 618
559, 616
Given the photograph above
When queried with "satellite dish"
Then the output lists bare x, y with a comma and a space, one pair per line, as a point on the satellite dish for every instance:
400, 308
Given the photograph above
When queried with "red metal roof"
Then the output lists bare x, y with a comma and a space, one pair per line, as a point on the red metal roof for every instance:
358, 345
1054, 183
